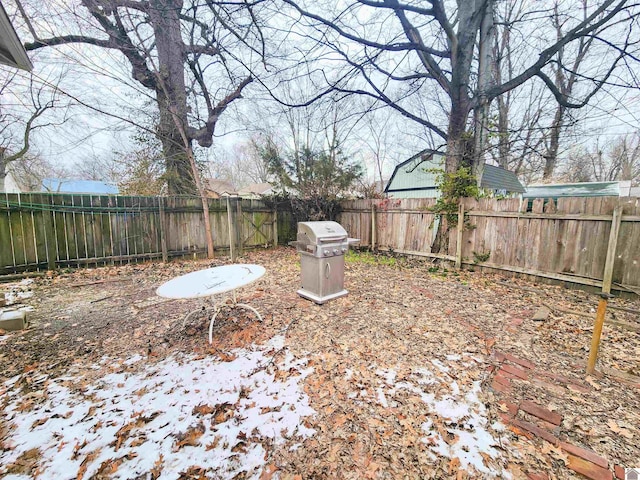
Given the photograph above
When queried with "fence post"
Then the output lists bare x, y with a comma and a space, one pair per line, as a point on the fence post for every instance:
163, 225
239, 226
459, 235
275, 227
232, 251
373, 226
607, 279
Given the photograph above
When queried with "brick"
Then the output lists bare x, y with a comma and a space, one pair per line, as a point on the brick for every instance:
537, 431
578, 388
541, 412
548, 386
508, 375
505, 417
512, 408
619, 472
518, 361
585, 454
504, 379
564, 380
588, 469
500, 387
518, 372
537, 476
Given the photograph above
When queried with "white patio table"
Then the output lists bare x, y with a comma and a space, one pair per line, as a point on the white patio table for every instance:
212, 282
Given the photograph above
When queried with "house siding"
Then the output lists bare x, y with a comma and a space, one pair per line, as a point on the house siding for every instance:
413, 180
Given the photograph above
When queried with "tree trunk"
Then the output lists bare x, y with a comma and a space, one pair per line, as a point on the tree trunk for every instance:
459, 141
171, 94
178, 171
3, 170
551, 155
485, 81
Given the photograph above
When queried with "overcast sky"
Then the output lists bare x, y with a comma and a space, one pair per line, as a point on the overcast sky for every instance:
100, 94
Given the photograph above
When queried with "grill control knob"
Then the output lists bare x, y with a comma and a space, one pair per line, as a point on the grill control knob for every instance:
344, 249
326, 253
336, 251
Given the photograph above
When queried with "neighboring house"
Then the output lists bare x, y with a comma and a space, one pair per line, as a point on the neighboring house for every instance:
256, 190
415, 178
12, 52
11, 185
57, 185
219, 188
584, 189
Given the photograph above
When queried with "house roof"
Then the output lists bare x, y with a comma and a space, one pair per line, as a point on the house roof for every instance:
219, 186
410, 177
498, 178
58, 185
584, 189
256, 189
12, 52
423, 155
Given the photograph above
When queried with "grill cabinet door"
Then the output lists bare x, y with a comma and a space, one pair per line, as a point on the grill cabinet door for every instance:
322, 276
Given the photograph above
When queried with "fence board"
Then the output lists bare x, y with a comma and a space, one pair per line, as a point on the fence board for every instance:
566, 239
44, 230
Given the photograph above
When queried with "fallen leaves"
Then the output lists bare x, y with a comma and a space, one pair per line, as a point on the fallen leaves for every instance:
617, 429
190, 437
26, 463
392, 317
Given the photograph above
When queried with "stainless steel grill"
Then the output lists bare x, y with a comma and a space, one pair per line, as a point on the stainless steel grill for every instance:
322, 246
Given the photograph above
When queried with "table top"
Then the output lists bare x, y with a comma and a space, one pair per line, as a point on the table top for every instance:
211, 281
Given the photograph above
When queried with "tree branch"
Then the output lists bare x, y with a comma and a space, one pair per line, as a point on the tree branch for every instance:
204, 134
392, 47
66, 39
414, 36
584, 28
27, 133
407, 8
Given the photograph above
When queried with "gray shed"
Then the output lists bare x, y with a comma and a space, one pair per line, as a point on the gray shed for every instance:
413, 178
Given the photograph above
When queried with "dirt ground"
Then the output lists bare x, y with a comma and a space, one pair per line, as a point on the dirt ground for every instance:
420, 372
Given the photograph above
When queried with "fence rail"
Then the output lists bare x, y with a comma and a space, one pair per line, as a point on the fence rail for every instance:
565, 239
45, 231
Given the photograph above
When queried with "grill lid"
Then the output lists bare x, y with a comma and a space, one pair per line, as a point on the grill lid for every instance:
316, 233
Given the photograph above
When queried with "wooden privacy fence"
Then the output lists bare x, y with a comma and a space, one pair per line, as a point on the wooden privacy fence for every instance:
45, 231
568, 239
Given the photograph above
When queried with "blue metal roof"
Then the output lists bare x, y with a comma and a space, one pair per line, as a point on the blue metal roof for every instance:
58, 185
585, 189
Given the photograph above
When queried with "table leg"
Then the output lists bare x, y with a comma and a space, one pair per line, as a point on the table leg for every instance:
232, 306
191, 313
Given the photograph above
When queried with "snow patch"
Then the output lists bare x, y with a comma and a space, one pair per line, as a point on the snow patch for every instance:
455, 409
180, 413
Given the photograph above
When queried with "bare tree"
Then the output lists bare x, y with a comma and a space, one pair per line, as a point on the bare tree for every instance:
407, 51
185, 54
451, 45
16, 128
624, 156
618, 159
243, 164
